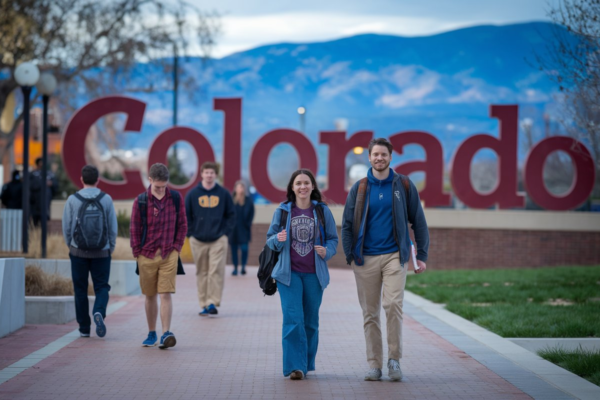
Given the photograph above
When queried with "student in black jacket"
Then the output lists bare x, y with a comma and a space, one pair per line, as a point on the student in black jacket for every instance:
210, 217
12, 192
242, 230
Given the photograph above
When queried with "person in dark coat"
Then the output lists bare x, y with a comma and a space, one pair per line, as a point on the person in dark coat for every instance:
12, 192
242, 232
35, 186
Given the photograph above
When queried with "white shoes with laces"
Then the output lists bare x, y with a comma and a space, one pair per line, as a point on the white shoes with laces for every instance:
374, 374
394, 371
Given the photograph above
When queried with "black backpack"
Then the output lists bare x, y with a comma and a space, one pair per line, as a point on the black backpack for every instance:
268, 258
91, 227
266, 262
143, 209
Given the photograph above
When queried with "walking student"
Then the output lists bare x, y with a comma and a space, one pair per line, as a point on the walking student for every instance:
89, 227
156, 245
242, 230
377, 244
306, 240
211, 217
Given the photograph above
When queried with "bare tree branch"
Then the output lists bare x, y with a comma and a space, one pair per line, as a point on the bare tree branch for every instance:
90, 44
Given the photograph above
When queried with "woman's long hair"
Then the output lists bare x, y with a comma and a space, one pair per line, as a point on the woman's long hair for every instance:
234, 193
314, 195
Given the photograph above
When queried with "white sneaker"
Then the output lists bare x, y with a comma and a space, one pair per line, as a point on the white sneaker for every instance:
394, 371
374, 374
297, 375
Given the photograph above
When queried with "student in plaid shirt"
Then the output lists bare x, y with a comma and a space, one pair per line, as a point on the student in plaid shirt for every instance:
158, 257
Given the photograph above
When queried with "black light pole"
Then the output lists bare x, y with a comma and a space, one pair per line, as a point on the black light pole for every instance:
25, 237
175, 83
302, 114
44, 211
46, 86
26, 75
175, 90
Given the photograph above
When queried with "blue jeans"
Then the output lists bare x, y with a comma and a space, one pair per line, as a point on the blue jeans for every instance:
300, 304
234, 254
81, 268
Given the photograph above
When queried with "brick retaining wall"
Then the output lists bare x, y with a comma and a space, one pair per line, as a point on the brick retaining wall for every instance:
487, 248
453, 248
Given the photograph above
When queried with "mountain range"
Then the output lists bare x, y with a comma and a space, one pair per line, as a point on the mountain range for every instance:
442, 84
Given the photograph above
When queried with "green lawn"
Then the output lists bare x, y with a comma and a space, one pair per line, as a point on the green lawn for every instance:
583, 363
541, 302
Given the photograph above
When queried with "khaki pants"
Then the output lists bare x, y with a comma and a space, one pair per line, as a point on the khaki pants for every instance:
381, 271
210, 261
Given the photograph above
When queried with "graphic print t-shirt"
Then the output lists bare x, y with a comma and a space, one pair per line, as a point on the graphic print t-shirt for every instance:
302, 251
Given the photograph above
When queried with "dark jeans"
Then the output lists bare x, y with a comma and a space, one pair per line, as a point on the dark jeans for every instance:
234, 254
81, 268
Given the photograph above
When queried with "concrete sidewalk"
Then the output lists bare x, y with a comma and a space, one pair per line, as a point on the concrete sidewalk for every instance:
237, 355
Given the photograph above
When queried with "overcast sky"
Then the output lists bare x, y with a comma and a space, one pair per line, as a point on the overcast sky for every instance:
250, 23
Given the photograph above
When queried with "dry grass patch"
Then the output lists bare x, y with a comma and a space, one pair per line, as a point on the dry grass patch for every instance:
559, 302
39, 283
57, 249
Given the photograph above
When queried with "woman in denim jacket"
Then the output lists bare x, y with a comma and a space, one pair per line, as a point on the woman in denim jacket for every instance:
301, 273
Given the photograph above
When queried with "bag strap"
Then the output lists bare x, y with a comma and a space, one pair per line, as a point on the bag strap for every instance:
143, 209
283, 219
175, 198
406, 184
80, 197
321, 216
359, 205
83, 199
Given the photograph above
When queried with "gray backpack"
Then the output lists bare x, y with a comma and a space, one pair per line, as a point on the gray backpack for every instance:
91, 229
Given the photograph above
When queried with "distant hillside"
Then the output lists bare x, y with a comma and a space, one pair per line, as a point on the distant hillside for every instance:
442, 84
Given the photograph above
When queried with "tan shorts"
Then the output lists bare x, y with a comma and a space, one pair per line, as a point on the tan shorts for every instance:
158, 275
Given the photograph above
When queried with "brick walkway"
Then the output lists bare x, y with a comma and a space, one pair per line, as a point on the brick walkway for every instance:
238, 355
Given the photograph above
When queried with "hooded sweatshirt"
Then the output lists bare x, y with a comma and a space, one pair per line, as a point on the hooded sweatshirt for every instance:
210, 213
379, 235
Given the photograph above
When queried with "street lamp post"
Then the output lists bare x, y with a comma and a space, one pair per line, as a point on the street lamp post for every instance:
26, 75
175, 90
302, 114
46, 86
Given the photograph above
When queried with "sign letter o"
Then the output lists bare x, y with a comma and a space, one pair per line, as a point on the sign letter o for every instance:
583, 181
260, 156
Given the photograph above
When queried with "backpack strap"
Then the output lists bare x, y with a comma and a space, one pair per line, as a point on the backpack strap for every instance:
406, 184
321, 217
175, 197
83, 199
359, 205
283, 219
79, 197
143, 209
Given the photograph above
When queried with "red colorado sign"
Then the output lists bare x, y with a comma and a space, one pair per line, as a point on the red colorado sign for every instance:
504, 195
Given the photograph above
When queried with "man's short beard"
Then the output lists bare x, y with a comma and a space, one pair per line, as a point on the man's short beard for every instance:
386, 166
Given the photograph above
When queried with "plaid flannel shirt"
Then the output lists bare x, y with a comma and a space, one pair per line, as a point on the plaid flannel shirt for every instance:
161, 227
